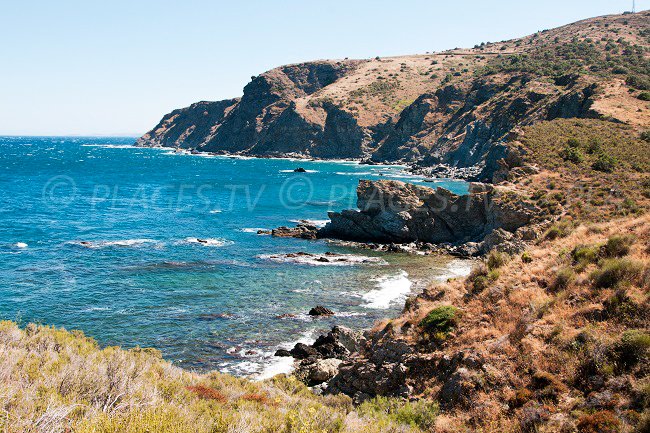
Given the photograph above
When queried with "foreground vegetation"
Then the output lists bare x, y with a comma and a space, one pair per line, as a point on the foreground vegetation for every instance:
59, 381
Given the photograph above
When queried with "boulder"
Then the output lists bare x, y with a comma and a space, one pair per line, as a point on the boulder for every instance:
302, 351
321, 311
283, 353
323, 370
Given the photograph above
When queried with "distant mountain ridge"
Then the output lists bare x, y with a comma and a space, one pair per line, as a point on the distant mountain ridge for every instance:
459, 107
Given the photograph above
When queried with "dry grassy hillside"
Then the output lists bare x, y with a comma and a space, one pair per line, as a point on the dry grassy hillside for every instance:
59, 381
554, 340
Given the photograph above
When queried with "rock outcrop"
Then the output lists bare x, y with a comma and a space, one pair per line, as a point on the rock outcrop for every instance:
320, 362
397, 212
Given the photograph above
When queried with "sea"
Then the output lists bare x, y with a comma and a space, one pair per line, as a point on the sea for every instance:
151, 247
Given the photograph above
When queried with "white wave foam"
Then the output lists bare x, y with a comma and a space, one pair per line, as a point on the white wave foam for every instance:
93, 309
20, 245
390, 290
353, 173
215, 211
111, 146
323, 259
317, 223
119, 243
251, 229
282, 365
456, 269
207, 242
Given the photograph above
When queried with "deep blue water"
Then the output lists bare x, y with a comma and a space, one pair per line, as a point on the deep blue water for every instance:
100, 236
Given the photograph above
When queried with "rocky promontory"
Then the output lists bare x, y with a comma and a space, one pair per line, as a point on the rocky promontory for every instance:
398, 212
402, 217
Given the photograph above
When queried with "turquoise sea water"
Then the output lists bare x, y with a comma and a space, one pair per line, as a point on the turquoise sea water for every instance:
101, 236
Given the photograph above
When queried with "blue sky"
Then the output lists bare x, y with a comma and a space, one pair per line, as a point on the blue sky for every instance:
115, 67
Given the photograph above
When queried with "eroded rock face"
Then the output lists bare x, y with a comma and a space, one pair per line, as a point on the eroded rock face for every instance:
392, 211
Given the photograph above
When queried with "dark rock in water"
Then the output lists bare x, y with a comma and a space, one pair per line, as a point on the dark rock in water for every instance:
201, 241
321, 311
300, 170
301, 231
302, 351
283, 352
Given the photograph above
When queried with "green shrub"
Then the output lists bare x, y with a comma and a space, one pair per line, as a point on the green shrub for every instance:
604, 163
559, 230
496, 259
563, 279
638, 82
572, 154
618, 246
440, 320
614, 272
421, 414
573, 142
644, 96
585, 254
645, 136
526, 257
632, 347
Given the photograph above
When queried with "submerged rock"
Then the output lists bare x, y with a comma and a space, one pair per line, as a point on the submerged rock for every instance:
300, 170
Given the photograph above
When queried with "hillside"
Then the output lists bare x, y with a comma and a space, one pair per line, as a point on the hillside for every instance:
460, 107
59, 381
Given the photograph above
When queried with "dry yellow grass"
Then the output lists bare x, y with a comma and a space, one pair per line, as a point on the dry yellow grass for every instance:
58, 381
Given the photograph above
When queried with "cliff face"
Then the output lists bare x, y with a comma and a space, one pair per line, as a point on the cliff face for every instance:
459, 107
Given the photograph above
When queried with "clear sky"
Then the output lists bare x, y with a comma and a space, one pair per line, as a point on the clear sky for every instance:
115, 67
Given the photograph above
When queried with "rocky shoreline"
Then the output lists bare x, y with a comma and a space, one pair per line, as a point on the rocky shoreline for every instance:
393, 216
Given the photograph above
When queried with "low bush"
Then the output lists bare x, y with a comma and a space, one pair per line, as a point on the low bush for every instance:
496, 259
599, 422
614, 272
585, 254
564, 277
559, 230
604, 163
618, 246
572, 154
632, 347
420, 414
638, 82
526, 257
644, 96
440, 320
